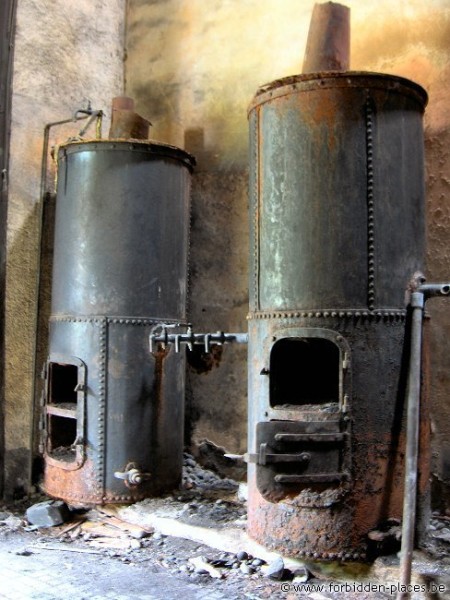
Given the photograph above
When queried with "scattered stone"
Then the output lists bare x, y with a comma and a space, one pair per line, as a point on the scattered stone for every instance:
301, 575
242, 555
258, 562
220, 562
202, 566
13, 522
377, 536
442, 535
195, 476
49, 513
242, 492
275, 570
23, 552
246, 569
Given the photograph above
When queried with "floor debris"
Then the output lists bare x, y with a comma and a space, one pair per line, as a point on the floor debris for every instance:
198, 533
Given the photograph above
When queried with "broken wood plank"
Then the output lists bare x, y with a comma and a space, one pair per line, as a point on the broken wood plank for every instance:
116, 544
78, 521
102, 530
136, 531
61, 548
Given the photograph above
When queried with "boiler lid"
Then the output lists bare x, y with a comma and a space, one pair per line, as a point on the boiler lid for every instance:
157, 149
339, 79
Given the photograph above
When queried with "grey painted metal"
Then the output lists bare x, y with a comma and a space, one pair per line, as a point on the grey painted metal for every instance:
120, 267
121, 230
337, 233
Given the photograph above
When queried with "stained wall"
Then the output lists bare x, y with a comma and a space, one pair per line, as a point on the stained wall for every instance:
193, 67
65, 53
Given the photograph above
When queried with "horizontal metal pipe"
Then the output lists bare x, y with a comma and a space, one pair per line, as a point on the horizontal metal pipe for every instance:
435, 289
189, 338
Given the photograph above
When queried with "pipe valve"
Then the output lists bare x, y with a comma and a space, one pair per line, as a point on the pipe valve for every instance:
160, 334
132, 475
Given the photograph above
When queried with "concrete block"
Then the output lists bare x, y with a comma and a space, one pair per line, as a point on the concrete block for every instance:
48, 514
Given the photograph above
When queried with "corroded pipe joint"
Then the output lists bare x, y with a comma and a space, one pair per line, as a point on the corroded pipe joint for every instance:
417, 300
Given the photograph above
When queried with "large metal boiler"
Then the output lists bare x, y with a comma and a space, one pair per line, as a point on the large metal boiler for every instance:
114, 415
337, 233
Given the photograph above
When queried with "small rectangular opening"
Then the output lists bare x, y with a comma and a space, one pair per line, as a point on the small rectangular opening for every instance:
64, 408
62, 434
304, 371
63, 379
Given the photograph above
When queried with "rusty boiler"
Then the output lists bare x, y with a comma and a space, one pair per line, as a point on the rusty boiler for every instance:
113, 428
337, 232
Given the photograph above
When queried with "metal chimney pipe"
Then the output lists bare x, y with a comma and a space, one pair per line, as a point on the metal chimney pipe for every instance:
328, 43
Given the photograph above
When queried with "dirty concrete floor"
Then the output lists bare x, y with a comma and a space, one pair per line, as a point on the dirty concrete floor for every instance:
88, 559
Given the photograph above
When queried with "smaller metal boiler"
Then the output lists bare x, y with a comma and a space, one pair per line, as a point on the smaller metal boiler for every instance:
113, 428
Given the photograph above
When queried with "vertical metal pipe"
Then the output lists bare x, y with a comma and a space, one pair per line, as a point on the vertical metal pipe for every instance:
412, 443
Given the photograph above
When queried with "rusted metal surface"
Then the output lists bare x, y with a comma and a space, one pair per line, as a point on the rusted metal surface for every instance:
125, 123
328, 43
337, 209
120, 267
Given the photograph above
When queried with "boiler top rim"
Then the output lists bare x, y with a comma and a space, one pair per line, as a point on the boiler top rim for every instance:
338, 79
152, 147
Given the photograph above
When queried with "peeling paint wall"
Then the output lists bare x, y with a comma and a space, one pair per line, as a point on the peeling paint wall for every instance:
193, 67
65, 53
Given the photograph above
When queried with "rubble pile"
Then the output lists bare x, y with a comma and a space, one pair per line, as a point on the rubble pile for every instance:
194, 476
440, 528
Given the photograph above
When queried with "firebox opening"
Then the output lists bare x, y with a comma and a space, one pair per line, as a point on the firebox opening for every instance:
62, 436
304, 371
64, 413
63, 379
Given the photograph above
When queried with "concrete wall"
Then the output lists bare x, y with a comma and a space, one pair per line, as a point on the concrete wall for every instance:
66, 52
193, 67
